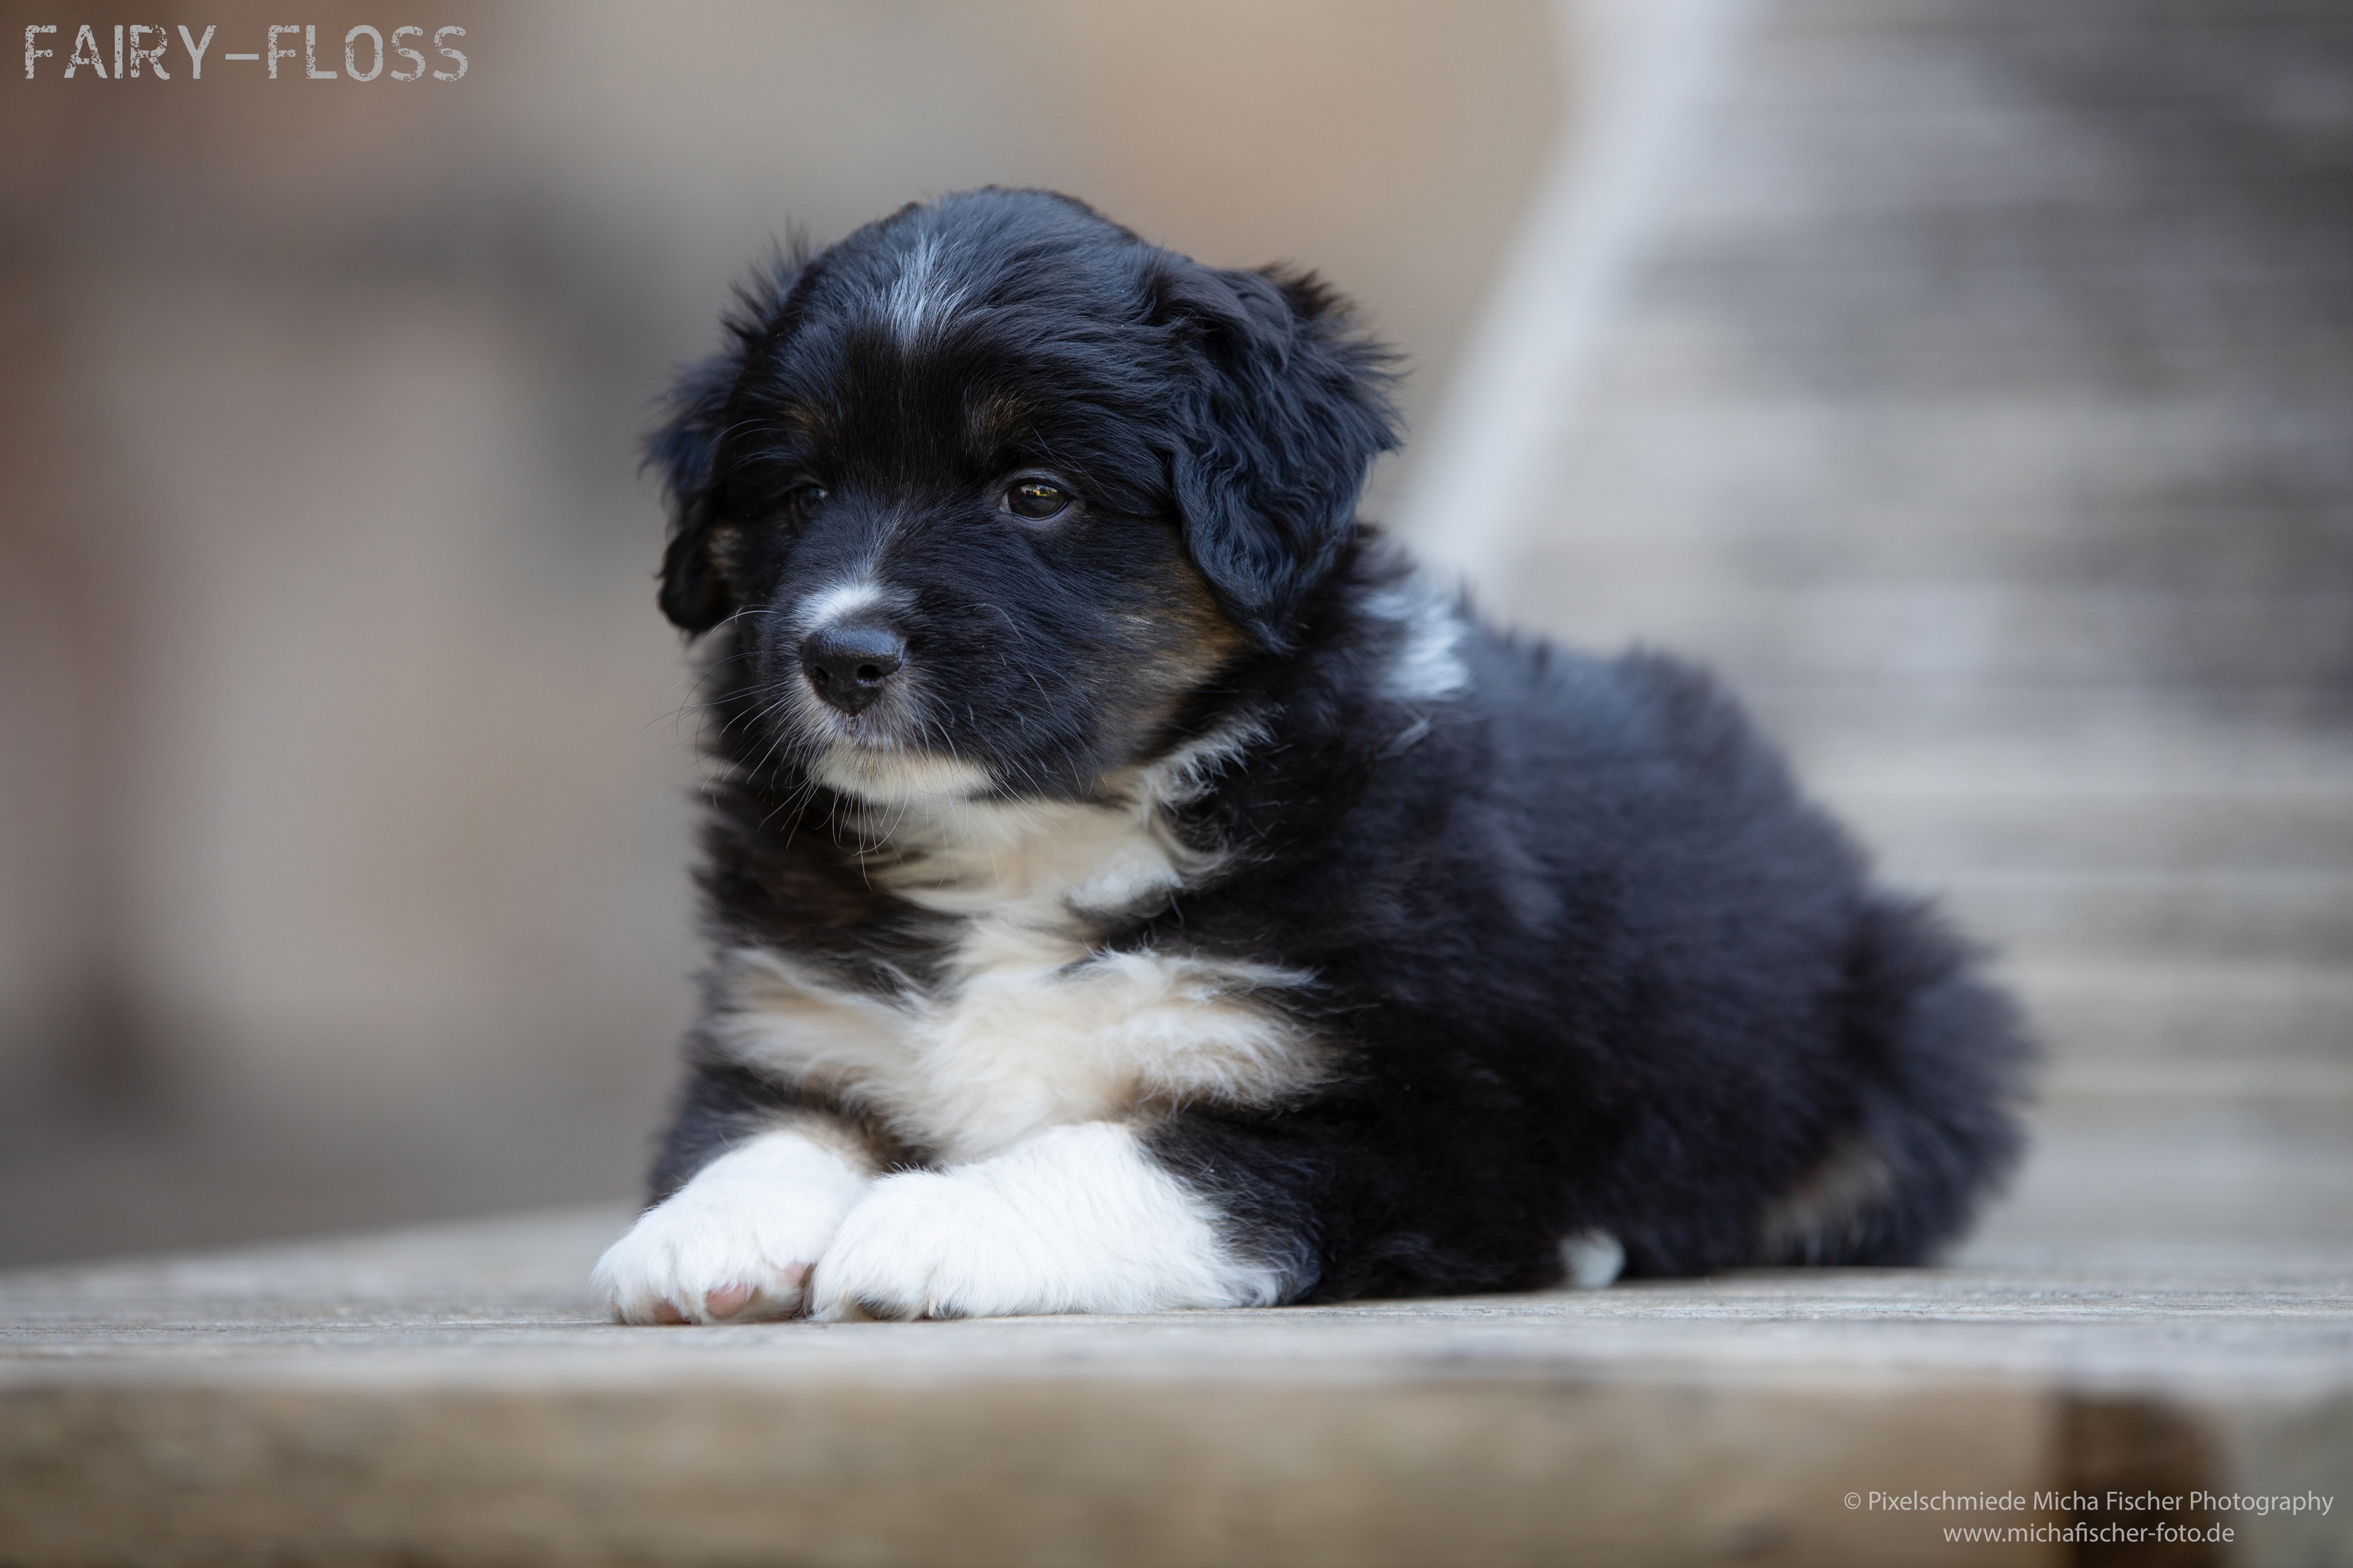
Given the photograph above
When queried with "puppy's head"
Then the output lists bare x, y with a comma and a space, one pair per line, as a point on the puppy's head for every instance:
987, 489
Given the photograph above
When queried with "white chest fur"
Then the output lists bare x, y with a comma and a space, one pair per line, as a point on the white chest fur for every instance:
1028, 1029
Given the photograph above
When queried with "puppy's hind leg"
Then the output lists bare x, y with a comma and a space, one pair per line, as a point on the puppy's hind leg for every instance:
1941, 1061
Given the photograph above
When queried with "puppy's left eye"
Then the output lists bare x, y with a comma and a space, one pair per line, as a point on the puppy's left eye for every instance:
1036, 499
802, 501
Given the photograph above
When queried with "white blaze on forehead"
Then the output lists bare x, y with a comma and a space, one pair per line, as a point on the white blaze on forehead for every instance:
920, 298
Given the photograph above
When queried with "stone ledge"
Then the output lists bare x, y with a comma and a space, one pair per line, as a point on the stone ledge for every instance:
447, 1395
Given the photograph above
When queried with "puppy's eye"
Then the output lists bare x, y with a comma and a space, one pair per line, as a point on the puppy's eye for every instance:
802, 501
1036, 499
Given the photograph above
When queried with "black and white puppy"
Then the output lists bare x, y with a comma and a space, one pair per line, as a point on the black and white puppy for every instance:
1132, 888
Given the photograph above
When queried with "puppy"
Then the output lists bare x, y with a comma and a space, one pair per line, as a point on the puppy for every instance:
1132, 888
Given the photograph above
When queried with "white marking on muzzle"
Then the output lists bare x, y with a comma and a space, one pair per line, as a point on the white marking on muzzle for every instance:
839, 602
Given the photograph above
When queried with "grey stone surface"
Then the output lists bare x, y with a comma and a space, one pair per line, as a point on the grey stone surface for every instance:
449, 1394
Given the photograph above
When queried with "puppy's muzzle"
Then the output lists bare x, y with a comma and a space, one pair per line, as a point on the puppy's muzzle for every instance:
849, 665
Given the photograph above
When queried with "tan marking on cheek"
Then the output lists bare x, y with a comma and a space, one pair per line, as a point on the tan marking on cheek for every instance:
724, 543
1208, 640
1185, 640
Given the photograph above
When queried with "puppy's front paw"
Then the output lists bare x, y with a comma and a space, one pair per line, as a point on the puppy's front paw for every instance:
929, 1245
738, 1241
1077, 1220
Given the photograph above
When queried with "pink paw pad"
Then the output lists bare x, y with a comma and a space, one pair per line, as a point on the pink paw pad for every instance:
727, 1300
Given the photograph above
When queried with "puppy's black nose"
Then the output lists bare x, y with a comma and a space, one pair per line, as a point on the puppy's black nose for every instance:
848, 665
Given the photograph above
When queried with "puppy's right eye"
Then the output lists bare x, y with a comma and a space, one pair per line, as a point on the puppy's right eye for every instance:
801, 501
1037, 500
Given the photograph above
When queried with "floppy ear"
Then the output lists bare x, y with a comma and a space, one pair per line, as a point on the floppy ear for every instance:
1288, 408
694, 595
696, 592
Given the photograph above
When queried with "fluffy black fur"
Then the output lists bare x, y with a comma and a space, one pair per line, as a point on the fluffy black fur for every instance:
1587, 958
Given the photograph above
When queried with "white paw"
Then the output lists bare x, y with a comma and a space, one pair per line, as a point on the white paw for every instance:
1078, 1219
1592, 1259
736, 1242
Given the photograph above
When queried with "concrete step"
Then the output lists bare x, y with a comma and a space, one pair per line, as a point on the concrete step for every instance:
1800, 489
2157, 1170
2204, 1030
1955, 631
1944, 126
2285, 916
447, 1395
2177, 832
2083, 750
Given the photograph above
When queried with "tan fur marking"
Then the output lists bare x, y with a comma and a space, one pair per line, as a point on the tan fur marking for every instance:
1804, 1225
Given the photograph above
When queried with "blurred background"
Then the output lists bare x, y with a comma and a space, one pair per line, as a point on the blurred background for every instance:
1972, 380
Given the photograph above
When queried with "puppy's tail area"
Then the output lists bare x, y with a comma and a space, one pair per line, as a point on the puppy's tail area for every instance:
1942, 1061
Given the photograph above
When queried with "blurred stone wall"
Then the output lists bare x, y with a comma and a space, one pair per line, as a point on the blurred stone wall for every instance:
1980, 406
342, 763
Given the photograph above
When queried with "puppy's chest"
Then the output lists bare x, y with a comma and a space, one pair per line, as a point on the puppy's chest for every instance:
1028, 1024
